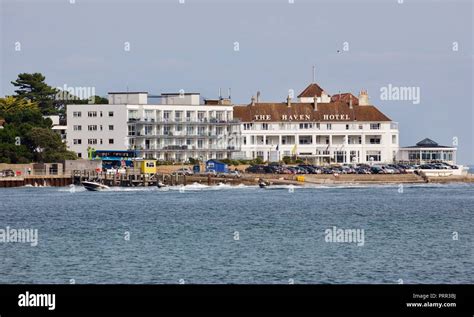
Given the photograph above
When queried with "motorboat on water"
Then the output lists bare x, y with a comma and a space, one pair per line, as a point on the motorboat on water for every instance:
161, 184
94, 186
263, 184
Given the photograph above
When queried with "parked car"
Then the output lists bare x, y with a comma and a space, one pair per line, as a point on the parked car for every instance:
7, 173
377, 170
235, 174
183, 171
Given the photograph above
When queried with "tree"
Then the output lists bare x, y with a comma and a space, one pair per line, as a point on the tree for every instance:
32, 87
48, 147
27, 136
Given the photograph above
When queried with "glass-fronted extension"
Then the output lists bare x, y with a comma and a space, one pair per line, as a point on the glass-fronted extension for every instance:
427, 151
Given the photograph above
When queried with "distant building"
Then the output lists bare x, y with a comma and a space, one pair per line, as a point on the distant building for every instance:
318, 128
427, 151
57, 127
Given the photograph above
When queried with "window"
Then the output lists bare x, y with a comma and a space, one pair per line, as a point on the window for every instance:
244, 140
374, 140
354, 156
306, 125
248, 126
200, 144
188, 116
201, 116
190, 130
318, 126
361, 127
111, 141
149, 115
178, 115
179, 128
92, 127
148, 130
79, 155
77, 141
373, 156
76, 114
132, 114
101, 142
375, 126
166, 115
340, 156
394, 139
111, 113
306, 139
131, 130
111, 127
77, 128
101, 113
201, 131
329, 126
347, 127
92, 113
101, 128
92, 141
264, 126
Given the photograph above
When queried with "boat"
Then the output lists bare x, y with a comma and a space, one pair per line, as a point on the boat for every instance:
161, 185
263, 184
94, 186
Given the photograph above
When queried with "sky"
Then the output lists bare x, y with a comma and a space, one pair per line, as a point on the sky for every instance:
423, 47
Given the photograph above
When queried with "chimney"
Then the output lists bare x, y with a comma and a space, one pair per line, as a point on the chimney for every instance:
253, 101
350, 101
288, 101
364, 98
315, 103
258, 96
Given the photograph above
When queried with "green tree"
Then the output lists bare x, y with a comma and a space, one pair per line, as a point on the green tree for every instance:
32, 87
47, 146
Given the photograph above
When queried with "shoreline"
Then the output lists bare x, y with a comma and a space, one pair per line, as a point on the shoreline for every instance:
251, 179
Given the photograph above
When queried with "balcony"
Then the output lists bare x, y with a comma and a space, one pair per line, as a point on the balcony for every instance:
181, 121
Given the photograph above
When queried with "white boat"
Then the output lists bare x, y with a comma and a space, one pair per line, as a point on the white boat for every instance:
161, 185
93, 186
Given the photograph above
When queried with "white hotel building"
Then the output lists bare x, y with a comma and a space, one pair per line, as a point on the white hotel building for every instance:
176, 129
321, 129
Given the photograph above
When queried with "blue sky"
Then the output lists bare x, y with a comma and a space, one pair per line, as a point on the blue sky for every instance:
190, 46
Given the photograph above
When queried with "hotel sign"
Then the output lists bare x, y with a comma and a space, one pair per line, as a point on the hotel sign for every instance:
302, 117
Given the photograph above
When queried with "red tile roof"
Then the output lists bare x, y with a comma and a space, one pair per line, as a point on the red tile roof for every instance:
277, 110
346, 97
312, 90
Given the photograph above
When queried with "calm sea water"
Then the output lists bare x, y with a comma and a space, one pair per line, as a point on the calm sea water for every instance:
191, 235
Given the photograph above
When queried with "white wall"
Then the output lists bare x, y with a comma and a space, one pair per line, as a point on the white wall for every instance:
118, 134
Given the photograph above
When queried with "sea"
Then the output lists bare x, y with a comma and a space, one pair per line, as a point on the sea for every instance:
197, 234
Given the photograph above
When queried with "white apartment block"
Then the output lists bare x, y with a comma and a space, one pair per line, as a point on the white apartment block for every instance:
176, 129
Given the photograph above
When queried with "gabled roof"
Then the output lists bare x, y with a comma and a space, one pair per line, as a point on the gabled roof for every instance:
276, 110
311, 91
346, 97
